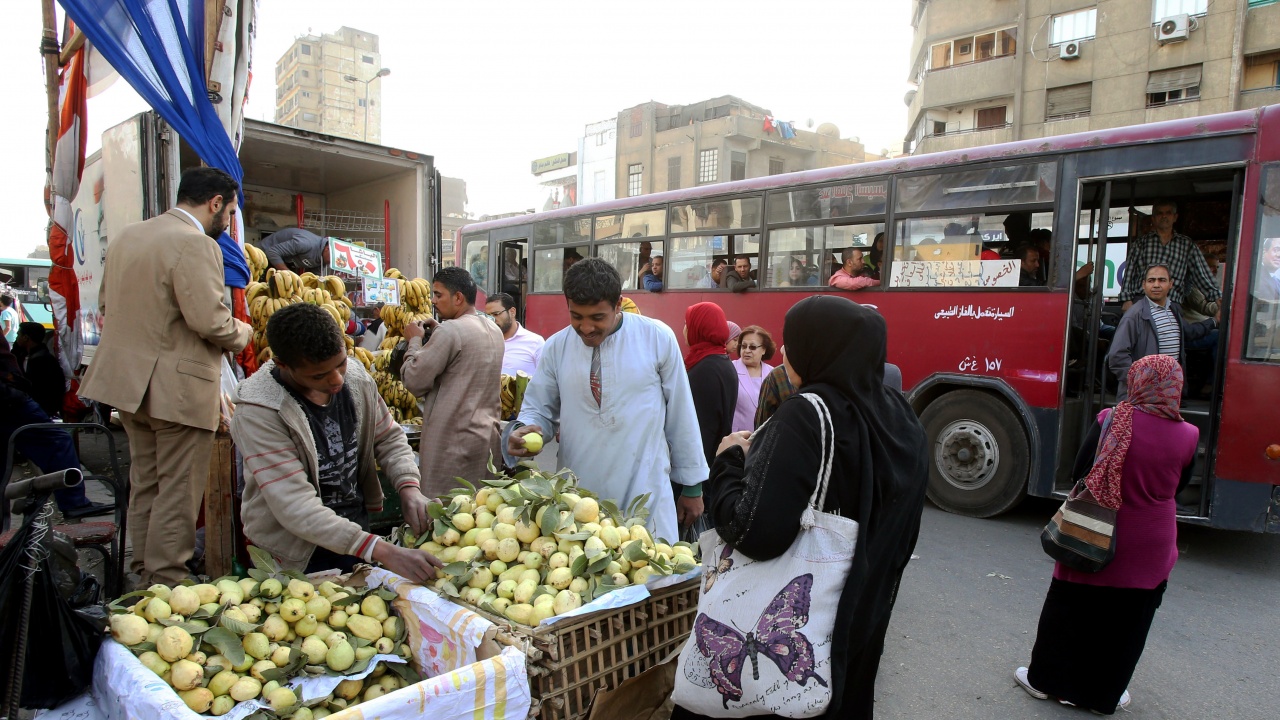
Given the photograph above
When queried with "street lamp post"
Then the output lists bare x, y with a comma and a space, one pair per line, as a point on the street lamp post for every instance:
383, 72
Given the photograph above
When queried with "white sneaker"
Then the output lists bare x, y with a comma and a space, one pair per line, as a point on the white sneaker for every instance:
1021, 676
1125, 701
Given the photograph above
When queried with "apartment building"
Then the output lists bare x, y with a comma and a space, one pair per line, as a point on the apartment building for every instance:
994, 71
332, 84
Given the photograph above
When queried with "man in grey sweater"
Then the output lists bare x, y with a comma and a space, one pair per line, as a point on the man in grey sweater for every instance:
1152, 326
295, 249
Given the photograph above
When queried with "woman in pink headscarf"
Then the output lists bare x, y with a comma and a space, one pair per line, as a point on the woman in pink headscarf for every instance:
1094, 626
731, 345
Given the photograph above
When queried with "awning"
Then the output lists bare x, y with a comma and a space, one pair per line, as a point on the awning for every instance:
1175, 79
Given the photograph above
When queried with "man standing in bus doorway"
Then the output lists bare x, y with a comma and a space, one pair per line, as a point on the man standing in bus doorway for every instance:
1163, 246
1153, 326
614, 386
164, 331
456, 374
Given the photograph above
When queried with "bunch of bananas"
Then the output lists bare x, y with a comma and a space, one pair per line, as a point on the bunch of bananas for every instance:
415, 294
402, 404
512, 394
394, 273
282, 288
366, 358
257, 261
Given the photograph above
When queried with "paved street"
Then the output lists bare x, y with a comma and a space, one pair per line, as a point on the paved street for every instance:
968, 607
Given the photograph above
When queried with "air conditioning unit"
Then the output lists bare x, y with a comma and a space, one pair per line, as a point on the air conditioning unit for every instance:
1069, 51
1174, 28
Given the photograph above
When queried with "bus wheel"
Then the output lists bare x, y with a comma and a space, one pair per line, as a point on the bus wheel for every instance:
979, 454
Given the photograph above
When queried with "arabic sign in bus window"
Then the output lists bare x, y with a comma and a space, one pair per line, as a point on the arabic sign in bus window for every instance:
549, 266
562, 232
833, 201
1011, 185
1263, 339
627, 258
716, 215
949, 252
650, 223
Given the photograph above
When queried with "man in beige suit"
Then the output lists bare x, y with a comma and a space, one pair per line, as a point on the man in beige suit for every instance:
457, 375
159, 364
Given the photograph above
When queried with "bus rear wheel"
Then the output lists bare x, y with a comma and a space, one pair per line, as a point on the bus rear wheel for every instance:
979, 454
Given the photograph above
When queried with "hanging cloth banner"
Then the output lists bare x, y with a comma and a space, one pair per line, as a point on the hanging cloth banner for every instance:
63, 184
158, 47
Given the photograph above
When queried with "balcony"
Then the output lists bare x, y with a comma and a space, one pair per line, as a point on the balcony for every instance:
965, 84
960, 139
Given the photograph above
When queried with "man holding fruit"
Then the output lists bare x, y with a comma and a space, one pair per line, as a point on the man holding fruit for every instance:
616, 391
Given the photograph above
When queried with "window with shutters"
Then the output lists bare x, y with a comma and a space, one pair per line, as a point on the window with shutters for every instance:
1068, 102
673, 173
1262, 71
991, 117
1078, 25
775, 166
1173, 86
737, 165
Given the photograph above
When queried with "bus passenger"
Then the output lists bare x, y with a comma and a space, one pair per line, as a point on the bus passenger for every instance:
740, 279
1154, 327
651, 275
1163, 246
853, 274
1030, 275
875, 259
1267, 284
712, 280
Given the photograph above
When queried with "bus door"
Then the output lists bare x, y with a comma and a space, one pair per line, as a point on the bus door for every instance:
1113, 214
512, 275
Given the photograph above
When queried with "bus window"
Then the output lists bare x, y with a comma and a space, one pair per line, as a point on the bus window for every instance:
833, 201
628, 257
475, 258
1013, 185
649, 223
961, 251
811, 255
716, 215
691, 260
1263, 333
562, 232
549, 265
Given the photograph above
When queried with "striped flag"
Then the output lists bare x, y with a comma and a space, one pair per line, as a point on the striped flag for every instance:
63, 183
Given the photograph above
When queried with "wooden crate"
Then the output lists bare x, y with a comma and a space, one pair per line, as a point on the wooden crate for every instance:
573, 660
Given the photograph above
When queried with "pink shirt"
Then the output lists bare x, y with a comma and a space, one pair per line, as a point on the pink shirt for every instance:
845, 281
744, 413
1146, 524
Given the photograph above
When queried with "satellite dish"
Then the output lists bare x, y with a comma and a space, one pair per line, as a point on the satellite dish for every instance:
808, 123
829, 130
911, 96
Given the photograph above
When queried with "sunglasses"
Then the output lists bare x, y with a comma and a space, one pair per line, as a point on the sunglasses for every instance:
752, 347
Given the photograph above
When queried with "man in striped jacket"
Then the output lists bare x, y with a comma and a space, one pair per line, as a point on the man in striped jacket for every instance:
313, 432
1153, 326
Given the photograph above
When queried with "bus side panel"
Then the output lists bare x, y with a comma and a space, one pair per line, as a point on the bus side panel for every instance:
1014, 336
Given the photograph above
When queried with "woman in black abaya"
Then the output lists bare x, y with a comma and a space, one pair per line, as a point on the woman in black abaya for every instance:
835, 349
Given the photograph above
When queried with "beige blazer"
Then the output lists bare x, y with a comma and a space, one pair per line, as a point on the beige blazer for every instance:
164, 324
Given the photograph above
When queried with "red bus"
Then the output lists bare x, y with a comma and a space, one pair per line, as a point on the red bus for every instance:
1005, 378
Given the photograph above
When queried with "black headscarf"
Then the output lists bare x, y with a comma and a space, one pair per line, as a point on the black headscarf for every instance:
837, 347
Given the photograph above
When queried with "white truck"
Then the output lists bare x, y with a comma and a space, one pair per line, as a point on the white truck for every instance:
386, 198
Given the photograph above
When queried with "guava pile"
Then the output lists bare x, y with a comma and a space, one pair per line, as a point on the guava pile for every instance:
238, 639
537, 545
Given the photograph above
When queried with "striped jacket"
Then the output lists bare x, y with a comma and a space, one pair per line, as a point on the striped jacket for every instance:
282, 510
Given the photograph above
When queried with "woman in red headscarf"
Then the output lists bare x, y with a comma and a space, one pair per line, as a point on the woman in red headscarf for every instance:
1094, 625
711, 377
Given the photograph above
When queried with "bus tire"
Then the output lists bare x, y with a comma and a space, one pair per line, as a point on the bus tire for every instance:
978, 454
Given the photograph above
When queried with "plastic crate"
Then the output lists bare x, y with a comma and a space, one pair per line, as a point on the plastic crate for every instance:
571, 661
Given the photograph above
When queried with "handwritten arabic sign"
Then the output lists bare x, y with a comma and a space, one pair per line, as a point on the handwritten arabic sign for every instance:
381, 291
351, 259
973, 312
955, 273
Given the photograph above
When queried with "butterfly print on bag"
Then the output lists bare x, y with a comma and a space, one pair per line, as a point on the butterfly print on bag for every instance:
777, 636
721, 568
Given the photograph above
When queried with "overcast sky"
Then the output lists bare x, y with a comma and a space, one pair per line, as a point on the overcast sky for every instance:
486, 87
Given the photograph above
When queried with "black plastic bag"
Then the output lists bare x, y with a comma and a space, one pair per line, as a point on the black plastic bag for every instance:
61, 644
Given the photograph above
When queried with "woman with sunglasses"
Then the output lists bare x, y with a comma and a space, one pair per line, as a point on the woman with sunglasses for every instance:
755, 346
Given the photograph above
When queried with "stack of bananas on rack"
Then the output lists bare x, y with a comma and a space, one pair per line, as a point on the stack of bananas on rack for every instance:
513, 388
257, 261
282, 288
402, 404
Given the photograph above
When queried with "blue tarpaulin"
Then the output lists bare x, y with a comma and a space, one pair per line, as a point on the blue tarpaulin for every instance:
157, 46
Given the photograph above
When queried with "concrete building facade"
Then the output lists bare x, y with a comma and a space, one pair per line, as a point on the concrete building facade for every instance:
1002, 70
666, 147
597, 162
332, 84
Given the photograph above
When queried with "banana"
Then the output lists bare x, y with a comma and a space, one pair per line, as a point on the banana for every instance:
309, 279
393, 273
333, 311
335, 285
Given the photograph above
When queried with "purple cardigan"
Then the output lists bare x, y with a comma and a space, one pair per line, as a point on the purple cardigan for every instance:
1146, 525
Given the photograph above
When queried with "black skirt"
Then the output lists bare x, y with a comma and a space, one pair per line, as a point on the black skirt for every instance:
1089, 641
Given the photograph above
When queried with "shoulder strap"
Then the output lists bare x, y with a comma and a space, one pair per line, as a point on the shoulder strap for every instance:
819, 498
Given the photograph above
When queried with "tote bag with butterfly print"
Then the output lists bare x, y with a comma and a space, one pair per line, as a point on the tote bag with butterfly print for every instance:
761, 641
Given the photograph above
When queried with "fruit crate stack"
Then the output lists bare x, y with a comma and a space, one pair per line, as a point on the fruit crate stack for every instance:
573, 660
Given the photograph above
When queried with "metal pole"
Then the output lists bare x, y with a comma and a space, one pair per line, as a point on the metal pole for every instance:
1095, 312
366, 111
49, 49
